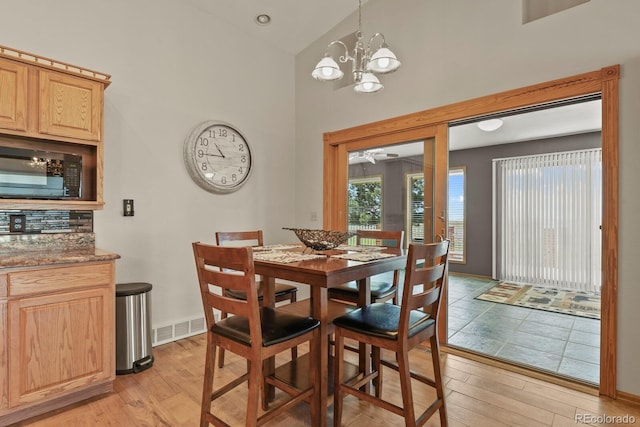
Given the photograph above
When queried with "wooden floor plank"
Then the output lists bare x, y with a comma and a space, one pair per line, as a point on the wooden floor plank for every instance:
503, 401
542, 402
477, 394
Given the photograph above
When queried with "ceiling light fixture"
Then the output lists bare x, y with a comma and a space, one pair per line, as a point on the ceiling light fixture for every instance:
263, 19
364, 63
490, 125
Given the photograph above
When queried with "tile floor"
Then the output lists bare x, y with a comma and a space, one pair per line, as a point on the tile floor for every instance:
563, 344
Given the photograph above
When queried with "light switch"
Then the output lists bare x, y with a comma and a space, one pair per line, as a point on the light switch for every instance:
127, 207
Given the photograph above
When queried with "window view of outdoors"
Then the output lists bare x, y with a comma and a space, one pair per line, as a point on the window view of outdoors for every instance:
365, 204
416, 205
415, 183
456, 215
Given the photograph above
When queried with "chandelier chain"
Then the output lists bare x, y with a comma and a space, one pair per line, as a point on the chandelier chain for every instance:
360, 16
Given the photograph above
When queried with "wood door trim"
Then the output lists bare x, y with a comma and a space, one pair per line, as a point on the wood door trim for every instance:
610, 212
411, 126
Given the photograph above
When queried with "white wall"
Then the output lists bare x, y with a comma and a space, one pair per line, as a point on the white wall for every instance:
453, 50
172, 67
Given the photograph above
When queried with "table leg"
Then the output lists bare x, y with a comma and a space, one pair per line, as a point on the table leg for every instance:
364, 299
319, 306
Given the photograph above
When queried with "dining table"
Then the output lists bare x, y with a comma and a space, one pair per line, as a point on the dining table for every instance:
322, 271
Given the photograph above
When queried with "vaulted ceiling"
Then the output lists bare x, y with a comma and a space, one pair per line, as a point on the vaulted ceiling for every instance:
294, 25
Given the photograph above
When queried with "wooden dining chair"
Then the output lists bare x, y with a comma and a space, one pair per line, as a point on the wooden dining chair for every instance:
398, 329
381, 290
253, 332
283, 292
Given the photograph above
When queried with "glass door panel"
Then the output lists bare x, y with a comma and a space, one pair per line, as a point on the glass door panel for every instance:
379, 195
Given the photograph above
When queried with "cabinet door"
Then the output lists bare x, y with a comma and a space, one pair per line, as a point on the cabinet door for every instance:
60, 342
70, 106
13, 95
4, 371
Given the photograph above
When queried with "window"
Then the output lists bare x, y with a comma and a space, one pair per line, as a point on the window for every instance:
415, 208
547, 214
456, 218
365, 203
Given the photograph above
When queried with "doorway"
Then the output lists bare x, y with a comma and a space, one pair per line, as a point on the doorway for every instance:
528, 291
413, 126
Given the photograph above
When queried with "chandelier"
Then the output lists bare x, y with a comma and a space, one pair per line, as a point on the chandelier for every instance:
364, 64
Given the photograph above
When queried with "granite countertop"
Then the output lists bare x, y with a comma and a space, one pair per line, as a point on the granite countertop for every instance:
30, 250
29, 258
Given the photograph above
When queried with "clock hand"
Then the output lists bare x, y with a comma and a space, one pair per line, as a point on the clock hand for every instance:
219, 151
215, 155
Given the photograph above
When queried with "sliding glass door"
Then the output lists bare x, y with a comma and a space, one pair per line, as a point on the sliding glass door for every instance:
382, 194
366, 184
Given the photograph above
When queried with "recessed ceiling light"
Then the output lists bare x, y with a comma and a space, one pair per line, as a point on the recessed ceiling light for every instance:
263, 19
490, 125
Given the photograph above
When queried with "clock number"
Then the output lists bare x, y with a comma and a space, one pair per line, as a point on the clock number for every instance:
223, 180
200, 153
233, 137
240, 147
240, 169
234, 178
243, 159
203, 166
204, 142
222, 133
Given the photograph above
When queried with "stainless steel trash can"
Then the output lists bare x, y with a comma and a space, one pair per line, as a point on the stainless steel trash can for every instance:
133, 327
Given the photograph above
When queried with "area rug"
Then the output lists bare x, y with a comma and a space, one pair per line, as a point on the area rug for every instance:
576, 303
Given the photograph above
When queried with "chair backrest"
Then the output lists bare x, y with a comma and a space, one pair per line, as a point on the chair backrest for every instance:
424, 280
228, 268
392, 239
244, 238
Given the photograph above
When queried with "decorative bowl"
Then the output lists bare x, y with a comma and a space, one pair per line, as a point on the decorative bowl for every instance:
321, 240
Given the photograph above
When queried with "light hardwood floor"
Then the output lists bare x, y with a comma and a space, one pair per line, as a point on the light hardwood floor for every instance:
169, 394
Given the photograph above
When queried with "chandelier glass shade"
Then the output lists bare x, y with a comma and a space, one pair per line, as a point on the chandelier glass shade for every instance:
368, 83
365, 61
327, 70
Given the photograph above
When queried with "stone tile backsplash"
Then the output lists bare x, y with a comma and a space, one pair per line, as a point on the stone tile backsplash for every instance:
52, 221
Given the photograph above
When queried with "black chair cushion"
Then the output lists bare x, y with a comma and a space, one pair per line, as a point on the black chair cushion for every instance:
381, 320
276, 327
378, 290
280, 290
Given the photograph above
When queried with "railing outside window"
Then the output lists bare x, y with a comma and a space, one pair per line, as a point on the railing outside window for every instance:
456, 219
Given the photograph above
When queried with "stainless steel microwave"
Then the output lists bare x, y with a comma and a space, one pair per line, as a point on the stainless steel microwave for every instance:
37, 174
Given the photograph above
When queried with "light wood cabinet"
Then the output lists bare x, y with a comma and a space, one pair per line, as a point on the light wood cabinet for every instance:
51, 100
13, 95
70, 106
4, 372
58, 338
53, 106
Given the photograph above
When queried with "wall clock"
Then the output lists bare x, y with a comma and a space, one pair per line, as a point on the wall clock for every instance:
217, 157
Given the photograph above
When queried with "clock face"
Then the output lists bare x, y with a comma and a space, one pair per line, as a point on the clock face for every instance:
217, 157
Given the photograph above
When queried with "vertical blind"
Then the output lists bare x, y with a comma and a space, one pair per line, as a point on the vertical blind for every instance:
547, 217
